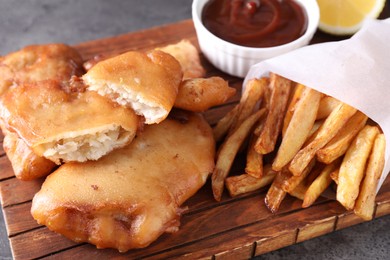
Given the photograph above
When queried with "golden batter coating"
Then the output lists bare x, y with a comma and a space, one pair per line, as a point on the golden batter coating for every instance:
146, 82
25, 163
38, 63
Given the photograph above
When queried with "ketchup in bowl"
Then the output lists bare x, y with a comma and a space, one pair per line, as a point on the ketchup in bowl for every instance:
255, 23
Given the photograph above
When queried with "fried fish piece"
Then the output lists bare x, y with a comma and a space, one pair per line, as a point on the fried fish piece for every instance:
65, 123
36, 63
128, 198
25, 163
146, 82
188, 57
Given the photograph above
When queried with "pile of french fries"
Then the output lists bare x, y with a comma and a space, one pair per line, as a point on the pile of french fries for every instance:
299, 141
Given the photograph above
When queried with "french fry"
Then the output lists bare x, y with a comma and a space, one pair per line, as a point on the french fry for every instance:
291, 183
276, 194
327, 105
224, 124
280, 88
299, 191
254, 160
335, 176
244, 183
228, 152
313, 132
258, 128
319, 185
295, 97
332, 125
254, 91
298, 130
200, 94
353, 166
266, 98
365, 203
340, 143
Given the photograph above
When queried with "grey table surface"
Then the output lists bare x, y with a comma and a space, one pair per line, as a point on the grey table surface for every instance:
73, 21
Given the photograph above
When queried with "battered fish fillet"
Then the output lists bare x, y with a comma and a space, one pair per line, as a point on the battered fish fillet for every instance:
38, 63
146, 82
131, 196
188, 57
25, 163
65, 123
34, 64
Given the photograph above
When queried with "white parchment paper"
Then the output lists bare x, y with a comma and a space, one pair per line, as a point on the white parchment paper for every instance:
355, 71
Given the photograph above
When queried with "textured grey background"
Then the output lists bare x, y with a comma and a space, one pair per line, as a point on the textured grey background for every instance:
24, 22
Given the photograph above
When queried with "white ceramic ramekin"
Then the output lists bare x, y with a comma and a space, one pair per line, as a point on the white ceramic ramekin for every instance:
235, 59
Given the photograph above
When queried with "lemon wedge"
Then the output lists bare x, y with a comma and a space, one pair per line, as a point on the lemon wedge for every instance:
345, 17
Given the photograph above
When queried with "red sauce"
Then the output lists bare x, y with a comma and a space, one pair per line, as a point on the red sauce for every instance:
255, 23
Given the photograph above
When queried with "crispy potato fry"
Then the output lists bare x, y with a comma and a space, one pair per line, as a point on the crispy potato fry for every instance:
254, 160
353, 166
340, 143
365, 203
224, 124
313, 132
200, 94
276, 194
299, 191
291, 183
314, 173
229, 150
298, 130
280, 88
244, 183
327, 105
332, 125
266, 97
335, 176
253, 93
258, 128
319, 185
295, 97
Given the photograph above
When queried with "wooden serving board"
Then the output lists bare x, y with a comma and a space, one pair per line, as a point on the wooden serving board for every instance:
239, 227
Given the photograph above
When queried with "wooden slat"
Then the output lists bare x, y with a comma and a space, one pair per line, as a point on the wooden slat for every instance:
158, 36
244, 251
277, 241
382, 209
18, 219
320, 227
14, 191
38, 243
348, 219
5, 168
383, 199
